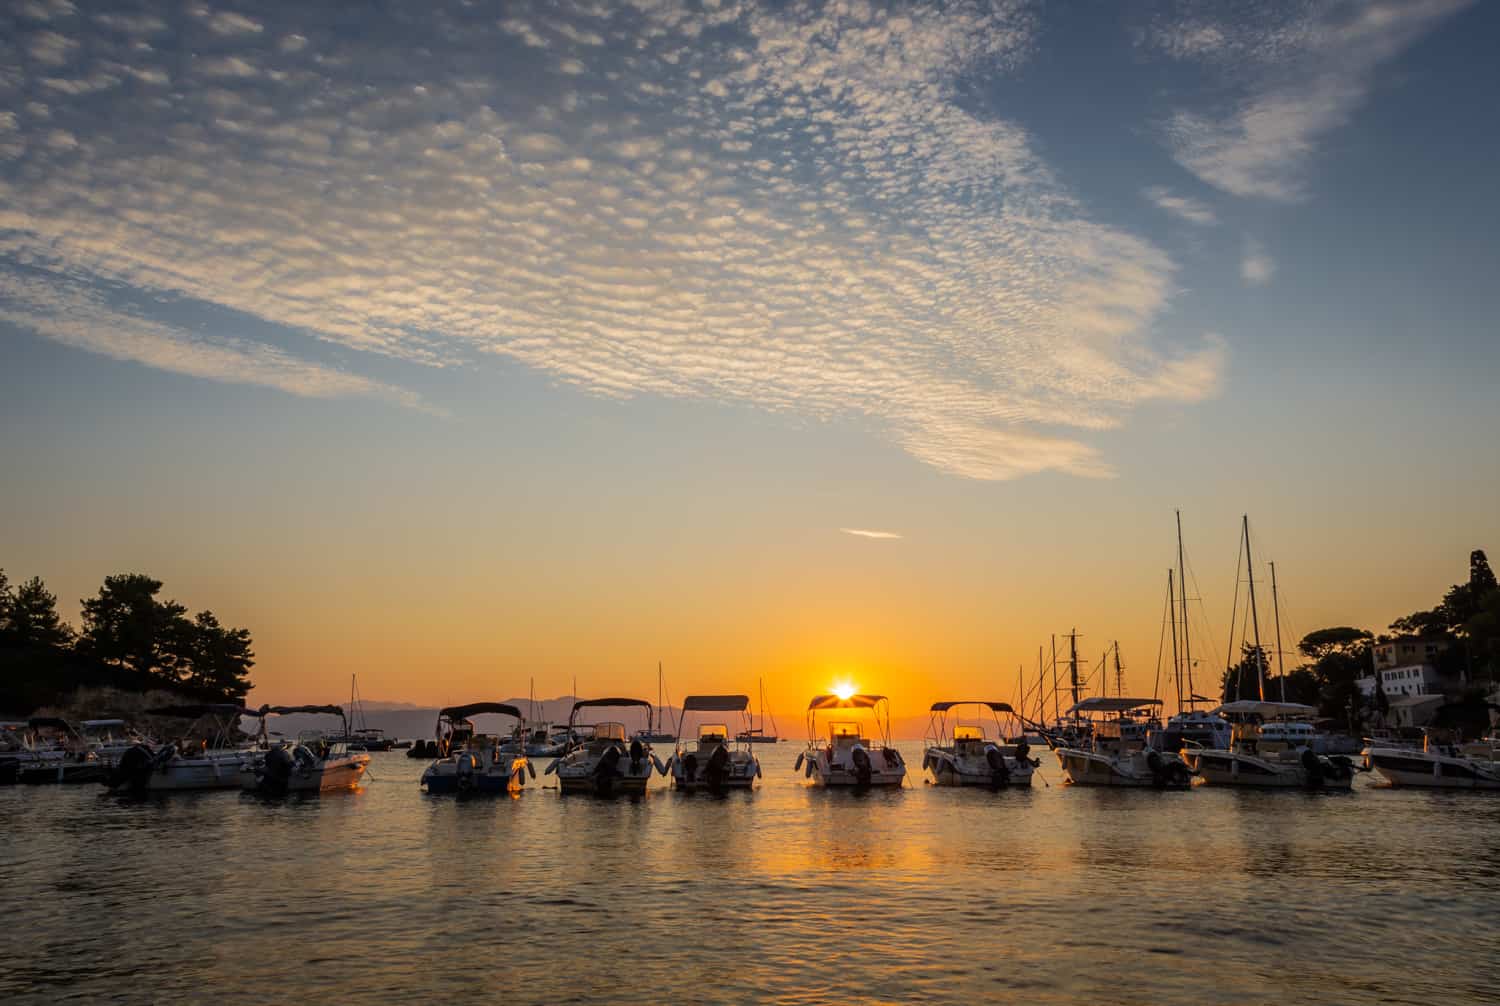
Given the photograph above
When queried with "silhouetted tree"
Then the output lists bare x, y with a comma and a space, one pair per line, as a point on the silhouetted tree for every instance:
1242, 681
30, 617
218, 659
1340, 656
126, 626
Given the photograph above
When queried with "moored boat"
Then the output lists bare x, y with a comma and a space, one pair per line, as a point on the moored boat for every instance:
1272, 747
470, 762
1117, 753
210, 759
964, 756
313, 764
605, 763
849, 758
1436, 765
712, 763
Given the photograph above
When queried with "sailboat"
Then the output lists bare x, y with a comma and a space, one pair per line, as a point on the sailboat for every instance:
1191, 726
758, 735
649, 736
363, 737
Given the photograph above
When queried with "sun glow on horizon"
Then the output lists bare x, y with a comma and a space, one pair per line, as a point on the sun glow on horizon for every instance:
845, 690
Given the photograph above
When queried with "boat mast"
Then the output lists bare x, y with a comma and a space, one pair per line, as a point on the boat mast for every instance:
1172, 617
1041, 688
1260, 657
1119, 672
1073, 663
1276, 608
1187, 647
1056, 714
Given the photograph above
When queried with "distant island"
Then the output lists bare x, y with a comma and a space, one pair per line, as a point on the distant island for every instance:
131, 645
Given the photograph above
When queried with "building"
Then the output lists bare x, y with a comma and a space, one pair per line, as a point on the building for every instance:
1415, 679
1414, 711
1407, 651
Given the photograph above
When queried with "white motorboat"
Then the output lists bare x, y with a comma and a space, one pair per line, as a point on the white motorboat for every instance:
1436, 765
536, 740
712, 763
606, 763
313, 764
1117, 753
1272, 746
54, 752
849, 758
206, 759
472, 762
963, 755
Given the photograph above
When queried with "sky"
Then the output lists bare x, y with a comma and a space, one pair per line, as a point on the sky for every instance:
458, 345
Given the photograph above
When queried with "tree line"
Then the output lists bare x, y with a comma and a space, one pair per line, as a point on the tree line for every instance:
129, 638
1466, 624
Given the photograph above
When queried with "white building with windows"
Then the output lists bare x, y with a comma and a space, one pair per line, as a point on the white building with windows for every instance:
1416, 679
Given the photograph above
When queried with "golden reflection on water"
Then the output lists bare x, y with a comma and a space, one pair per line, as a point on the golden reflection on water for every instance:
789, 893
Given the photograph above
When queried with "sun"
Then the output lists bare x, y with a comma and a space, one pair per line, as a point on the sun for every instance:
844, 690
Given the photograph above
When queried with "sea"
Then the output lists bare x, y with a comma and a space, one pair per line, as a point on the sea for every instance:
786, 894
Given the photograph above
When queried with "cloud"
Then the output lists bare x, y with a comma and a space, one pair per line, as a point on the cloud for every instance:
802, 208
1189, 209
861, 533
1256, 267
65, 312
1290, 73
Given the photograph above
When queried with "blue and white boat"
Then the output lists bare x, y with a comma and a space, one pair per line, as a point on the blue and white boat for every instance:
471, 762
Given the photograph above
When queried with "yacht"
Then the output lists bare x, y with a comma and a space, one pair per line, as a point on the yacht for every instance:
605, 763
1272, 746
963, 755
1436, 765
313, 764
849, 758
753, 734
1117, 753
712, 763
657, 736
209, 758
471, 762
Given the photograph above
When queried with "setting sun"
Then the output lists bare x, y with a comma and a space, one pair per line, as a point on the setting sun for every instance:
844, 690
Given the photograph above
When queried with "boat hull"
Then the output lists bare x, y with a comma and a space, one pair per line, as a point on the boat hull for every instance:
341, 774
63, 773
1231, 768
620, 785
1409, 769
1090, 768
950, 770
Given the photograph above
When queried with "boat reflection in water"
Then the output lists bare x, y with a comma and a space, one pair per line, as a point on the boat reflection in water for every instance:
471, 762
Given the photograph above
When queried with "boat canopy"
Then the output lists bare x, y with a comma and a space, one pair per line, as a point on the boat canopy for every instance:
193, 712
716, 703
1253, 707
852, 702
48, 721
101, 724
615, 703
999, 707
268, 710
477, 708
1110, 704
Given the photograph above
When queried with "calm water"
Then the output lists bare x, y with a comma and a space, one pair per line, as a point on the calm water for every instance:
788, 893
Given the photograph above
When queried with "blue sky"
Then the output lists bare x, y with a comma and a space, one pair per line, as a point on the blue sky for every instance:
650, 276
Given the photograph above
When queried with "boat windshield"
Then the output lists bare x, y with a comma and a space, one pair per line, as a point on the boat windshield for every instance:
713, 732
968, 733
844, 731
609, 731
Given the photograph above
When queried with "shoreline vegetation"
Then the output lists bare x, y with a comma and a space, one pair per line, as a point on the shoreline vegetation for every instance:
134, 650
130, 645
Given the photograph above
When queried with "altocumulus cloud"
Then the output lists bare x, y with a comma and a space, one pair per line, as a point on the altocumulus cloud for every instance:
786, 206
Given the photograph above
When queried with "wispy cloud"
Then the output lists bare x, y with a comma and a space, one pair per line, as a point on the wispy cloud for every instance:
1192, 210
798, 207
1256, 265
862, 533
1291, 72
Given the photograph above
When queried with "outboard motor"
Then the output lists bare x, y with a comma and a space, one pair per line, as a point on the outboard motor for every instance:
276, 771
637, 755
1341, 767
1158, 768
133, 771
1022, 749
604, 772
717, 772
862, 770
999, 770
689, 767
467, 767
1313, 766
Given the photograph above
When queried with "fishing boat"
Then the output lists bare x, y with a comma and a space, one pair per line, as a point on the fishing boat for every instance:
470, 762
1273, 747
760, 735
605, 763
1437, 765
712, 764
206, 759
313, 764
1117, 753
848, 757
963, 755
648, 735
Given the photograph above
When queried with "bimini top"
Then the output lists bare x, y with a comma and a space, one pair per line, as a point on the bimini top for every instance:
269, 710
999, 707
716, 703
1110, 704
852, 702
193, 712
48, 721
476, 708
1254, 707
101, 724
583, 703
